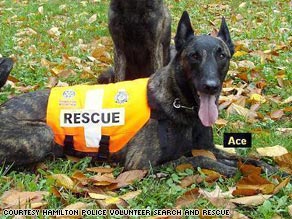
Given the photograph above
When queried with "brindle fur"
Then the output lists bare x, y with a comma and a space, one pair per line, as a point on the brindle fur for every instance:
141, 34
200, 64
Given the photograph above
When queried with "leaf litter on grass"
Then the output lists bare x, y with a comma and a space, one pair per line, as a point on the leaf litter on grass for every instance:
247, 91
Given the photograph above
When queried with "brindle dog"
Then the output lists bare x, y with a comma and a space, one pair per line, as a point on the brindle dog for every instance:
141, 34
183, 100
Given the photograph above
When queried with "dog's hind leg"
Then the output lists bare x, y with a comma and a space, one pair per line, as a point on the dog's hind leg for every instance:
24, 142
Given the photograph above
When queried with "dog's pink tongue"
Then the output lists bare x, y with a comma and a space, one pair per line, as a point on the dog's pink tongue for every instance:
208, 112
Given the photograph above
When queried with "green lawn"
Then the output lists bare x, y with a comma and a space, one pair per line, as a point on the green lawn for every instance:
69, 41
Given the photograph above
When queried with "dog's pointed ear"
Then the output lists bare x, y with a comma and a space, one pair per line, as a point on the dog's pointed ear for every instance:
184, 31
225, 36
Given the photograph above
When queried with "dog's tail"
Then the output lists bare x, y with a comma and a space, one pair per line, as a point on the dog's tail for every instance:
6, 65
106, 77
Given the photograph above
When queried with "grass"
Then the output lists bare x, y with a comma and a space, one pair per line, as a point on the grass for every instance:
262, 25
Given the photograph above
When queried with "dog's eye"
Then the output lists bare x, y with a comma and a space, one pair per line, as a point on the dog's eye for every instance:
195, 56
222, 56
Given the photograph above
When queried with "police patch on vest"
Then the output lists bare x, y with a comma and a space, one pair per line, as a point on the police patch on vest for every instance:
85, 117
121, 97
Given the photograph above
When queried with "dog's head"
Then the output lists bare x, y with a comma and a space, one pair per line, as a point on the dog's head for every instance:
204, 62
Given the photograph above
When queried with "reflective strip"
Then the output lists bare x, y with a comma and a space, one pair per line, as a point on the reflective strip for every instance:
92, 133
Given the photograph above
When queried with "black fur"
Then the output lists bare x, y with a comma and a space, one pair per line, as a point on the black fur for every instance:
6, 65
141, 34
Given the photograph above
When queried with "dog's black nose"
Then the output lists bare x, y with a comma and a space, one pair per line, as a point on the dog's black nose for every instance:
211, 86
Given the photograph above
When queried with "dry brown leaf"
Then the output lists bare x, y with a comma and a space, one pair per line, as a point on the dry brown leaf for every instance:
254, 200
19, 200
290, 210
53, 81
100, 169
273, 151
236, 109
98, 196
285, 162
254, 182
183, 167
80, 177
128, 178
130, 195
217, 193
76, 206
211, 176
221, 122
284, 132
245, 192
288, 100
103, 180
62, 180
112, 202
54, 32
187, 198
281, 185
203, 153
92, 19
189, 180
277, 114
237, 215
247, 169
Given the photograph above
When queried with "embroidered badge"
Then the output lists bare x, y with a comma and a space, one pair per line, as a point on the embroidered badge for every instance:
68, 93
121, 97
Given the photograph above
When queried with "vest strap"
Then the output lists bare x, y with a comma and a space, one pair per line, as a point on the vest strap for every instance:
69, 145
103, 150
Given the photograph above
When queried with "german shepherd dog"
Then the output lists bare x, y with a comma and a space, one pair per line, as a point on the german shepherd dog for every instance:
182, 97
141, 32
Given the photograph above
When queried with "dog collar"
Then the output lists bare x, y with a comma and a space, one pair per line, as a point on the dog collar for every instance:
177, 104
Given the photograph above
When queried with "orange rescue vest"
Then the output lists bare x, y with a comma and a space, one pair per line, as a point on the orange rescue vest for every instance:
88, 112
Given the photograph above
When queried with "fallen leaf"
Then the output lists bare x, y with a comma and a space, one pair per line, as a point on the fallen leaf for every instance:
285, 162
187, 198
281, 185
218, 193
183, 167
189, 180
130, 195
211, 176
236, 109
277, 114
290, 210
112, 202
254, 182
247, 169
98, 196
221, 122
273, 151
92, 19
62, 180
100, 169
288, 100
128, 178
54, 32
284, 132
203, 153
254, 200
257, 98
18, 200
76, 206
